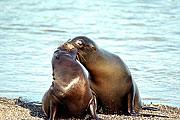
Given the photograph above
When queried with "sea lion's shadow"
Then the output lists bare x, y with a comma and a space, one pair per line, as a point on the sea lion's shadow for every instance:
34, 107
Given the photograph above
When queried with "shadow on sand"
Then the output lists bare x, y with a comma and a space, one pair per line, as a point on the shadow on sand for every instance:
36, 110
34, 107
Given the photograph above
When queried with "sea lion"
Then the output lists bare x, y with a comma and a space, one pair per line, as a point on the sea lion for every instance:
110, 78
70, 94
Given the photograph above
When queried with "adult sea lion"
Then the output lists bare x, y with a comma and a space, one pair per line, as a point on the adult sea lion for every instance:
110, 78
70, 94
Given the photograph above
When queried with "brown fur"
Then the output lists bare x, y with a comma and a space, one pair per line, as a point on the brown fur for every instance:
110, 78
70, 94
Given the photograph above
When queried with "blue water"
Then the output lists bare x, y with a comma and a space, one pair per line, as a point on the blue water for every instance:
144, 33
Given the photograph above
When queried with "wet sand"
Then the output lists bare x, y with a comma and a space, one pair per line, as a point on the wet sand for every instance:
17, 109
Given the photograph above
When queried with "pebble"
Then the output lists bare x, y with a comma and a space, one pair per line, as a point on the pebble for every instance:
17, 109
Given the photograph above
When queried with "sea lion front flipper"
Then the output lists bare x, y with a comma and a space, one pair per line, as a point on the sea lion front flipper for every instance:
93, 109
53, 110
131, 111
130, 100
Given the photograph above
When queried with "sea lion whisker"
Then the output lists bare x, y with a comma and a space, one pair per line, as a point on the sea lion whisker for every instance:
78, 57
82, 57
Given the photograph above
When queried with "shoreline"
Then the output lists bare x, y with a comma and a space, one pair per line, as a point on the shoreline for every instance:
17, 109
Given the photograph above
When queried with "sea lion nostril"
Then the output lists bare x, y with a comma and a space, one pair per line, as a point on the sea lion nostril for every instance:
57, 57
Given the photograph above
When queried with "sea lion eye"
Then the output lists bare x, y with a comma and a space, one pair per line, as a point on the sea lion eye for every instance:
78, 42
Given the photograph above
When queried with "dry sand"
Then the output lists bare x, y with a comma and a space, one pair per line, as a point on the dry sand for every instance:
17, 109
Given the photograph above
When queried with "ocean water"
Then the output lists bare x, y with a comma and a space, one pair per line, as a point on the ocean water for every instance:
144, 33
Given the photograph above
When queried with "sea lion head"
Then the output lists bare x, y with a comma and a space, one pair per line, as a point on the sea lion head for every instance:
68, 51
84, 45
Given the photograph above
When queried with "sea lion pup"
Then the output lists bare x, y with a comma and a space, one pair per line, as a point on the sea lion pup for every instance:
70, 94
110, 79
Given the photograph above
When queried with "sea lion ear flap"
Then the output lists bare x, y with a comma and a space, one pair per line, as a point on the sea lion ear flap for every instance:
93, 47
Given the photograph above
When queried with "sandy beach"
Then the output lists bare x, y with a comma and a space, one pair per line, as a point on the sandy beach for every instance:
17, 109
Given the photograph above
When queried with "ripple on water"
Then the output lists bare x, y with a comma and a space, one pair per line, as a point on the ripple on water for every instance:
145, 34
